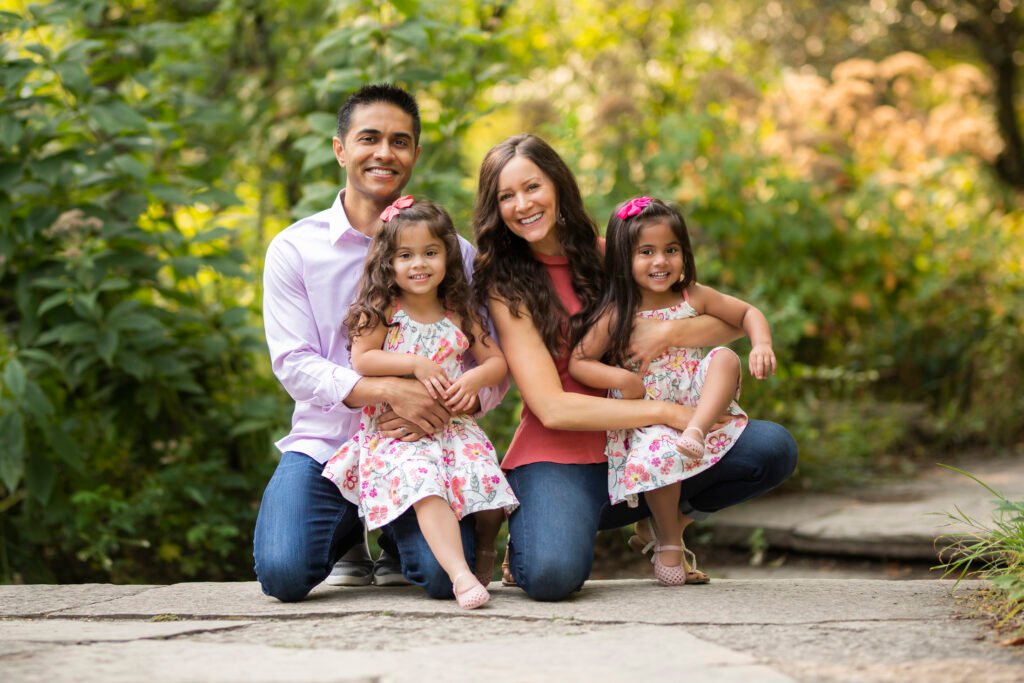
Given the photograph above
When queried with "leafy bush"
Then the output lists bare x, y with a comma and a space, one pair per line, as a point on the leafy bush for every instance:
130, 395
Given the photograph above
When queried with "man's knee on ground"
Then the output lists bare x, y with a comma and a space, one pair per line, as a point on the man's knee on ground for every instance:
281, 578
434, 580
554, 579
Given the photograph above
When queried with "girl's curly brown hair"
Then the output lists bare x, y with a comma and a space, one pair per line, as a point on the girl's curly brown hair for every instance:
505, 268
377, 288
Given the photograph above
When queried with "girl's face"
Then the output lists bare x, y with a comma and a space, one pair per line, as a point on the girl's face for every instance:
657, 259
419, 259
528, 202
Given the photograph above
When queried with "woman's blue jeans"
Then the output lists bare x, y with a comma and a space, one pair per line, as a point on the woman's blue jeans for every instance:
305, 524
561, 507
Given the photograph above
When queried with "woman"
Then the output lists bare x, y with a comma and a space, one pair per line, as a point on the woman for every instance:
538, 264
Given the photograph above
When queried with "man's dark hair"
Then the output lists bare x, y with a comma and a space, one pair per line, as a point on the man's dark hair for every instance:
379, 92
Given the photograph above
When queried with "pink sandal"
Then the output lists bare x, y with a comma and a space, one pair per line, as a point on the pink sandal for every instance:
668, 576
689, 446
474, 596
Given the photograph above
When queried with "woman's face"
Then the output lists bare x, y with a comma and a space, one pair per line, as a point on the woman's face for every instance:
528, 203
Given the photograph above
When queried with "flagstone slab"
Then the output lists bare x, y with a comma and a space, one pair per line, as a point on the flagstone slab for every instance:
41, 599
639, 601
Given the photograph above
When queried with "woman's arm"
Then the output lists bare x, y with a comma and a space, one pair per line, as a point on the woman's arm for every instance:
535, 374
491, 369
651, 338
585, 364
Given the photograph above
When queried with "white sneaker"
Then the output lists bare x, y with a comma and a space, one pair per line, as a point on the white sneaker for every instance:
355, 568
387, 571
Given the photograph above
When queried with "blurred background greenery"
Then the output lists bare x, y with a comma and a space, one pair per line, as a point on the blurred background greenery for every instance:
854, 168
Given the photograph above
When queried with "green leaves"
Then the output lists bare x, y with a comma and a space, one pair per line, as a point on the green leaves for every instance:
119, 378
14, 378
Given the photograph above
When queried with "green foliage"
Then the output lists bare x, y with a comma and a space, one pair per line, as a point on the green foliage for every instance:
130, 396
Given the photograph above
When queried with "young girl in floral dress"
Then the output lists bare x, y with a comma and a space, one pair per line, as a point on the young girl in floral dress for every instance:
414, 317
651, 273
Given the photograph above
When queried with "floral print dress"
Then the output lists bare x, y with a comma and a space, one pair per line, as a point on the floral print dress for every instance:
644, 459
385, 476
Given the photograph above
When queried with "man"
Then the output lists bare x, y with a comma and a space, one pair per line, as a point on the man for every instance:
311, 274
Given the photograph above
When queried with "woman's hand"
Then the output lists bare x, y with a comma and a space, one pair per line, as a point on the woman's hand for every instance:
679, 417
762, 361
649, 340
432, 376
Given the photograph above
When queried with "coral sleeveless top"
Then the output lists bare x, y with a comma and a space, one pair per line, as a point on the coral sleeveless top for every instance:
533, 442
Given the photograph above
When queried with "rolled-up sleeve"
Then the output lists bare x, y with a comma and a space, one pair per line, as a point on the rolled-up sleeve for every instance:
296, 353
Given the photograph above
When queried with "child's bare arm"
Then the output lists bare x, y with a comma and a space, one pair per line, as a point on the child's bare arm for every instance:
370, 360
743, 315
586, 367
491, 368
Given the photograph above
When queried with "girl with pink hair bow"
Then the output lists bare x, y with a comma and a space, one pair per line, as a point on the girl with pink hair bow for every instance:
652, 275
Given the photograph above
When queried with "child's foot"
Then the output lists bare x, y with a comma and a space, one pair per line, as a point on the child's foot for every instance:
669, 568
690, 447
483, 565
643, 540
469, 592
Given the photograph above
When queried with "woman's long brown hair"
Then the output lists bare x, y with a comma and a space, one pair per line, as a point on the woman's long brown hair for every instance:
505, 268
377, 288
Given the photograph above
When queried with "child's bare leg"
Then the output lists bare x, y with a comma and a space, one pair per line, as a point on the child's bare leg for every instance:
488, 523
719, 390
441, 529
668, 523
720, 384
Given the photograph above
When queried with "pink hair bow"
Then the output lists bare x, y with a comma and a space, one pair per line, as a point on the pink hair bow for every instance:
395, 207
633, 207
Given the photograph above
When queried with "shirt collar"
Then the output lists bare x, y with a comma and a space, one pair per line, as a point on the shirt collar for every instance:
338, 219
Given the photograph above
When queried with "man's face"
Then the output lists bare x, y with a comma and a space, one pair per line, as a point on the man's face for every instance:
378, 152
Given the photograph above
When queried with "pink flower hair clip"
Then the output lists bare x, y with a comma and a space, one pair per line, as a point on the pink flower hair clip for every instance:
633, 207
395, 208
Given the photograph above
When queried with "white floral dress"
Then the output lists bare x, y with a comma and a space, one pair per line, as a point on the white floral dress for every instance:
644, 459
385, 476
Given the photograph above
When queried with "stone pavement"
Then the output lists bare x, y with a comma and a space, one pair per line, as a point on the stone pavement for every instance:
751, 628
731, 630
896, 521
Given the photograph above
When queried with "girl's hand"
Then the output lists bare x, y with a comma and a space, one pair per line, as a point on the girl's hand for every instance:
762, 361
633, 387
432, 376
460, 396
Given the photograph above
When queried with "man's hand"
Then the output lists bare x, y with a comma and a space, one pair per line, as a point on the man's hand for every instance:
412, 409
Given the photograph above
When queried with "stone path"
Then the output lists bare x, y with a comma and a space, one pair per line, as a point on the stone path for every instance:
753, 628
897, 521
730, 630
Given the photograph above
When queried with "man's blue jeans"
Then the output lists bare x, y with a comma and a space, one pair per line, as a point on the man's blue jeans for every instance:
305, 524
561, 507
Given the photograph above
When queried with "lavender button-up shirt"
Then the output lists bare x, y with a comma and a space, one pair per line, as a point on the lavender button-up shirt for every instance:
310, 278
